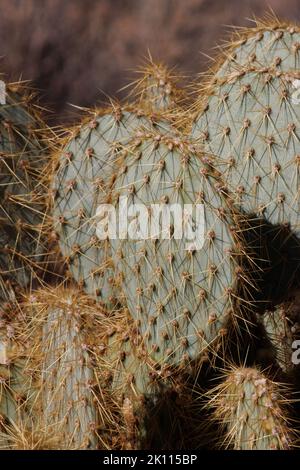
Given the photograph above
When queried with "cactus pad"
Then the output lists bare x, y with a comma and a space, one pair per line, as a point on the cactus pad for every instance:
251, 127
86, 165
65, 326
124, 370
180, 297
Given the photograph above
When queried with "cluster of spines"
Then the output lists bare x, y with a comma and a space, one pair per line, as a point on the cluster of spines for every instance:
157, 90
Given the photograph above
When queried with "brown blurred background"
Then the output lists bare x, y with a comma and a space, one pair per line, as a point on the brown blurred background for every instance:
76, 51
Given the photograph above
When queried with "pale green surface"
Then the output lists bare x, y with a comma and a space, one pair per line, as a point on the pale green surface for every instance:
145, 302
232, 113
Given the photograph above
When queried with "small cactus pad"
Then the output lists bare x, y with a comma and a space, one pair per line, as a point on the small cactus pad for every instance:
86, 165
22, 155
251, 126
181, 297
157, 89
65, 326
252, 409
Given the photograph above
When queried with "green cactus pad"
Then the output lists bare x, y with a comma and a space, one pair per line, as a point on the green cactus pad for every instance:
63, 321
253, 411
180, 297
86, 165
251, 126
126, 367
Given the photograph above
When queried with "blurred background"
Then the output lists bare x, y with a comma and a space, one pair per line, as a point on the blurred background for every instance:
76, 51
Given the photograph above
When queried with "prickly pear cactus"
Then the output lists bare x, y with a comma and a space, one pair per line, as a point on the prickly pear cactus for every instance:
22, 155
88, 374
65, 329
253, 411
126, 365
181, 291
87, 163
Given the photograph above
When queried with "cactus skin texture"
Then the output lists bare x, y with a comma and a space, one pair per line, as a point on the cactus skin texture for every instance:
282, 327
66, 325
251, 125
181, 298
22, 155
86, 164
253, 411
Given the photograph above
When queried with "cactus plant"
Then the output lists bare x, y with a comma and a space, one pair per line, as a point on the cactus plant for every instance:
123, 369
102, 363
22, 155
253, 409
